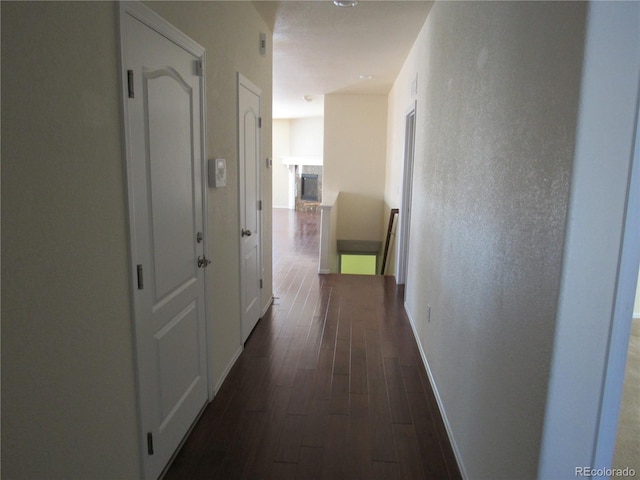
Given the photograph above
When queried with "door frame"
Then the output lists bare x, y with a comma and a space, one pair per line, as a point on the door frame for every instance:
591, 332
155, 22
621, 321
244, 81
407, 190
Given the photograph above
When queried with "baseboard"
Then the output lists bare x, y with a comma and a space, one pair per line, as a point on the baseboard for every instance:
266, 308
227, 370
436, 393
236, 355
324, 271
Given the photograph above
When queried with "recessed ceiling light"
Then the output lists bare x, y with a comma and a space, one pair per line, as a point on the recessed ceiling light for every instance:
366, 77
345, 3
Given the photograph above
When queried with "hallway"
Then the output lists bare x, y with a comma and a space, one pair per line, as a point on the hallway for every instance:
330, 384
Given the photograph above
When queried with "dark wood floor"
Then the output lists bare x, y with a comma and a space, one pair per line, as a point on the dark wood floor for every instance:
330, 384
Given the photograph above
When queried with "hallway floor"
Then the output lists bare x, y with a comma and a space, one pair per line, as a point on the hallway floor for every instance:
330, 384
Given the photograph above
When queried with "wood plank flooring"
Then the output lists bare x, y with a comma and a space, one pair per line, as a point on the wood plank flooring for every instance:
330, 384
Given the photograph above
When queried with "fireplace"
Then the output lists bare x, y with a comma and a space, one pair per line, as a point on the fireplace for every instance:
309, 187
305, 182
308, 193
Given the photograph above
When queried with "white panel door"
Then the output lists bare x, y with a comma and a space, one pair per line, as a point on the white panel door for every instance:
249, 154
163, 111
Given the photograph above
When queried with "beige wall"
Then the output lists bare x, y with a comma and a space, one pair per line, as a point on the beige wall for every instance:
68, 388
497, 100
355, 129
229, 32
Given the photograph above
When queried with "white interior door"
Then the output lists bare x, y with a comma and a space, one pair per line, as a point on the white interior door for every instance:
163, 111
249, 190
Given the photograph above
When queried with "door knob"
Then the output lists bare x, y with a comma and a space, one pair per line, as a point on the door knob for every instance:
203, 262
246, 233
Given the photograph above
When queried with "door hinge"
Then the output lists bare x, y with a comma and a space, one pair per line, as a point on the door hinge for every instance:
150, 443
199, 68
259, 205
259, 122
140, 278
260, 283
130, 83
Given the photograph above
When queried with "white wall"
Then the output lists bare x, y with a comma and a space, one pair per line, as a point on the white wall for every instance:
354, 161
498, 87
281, 148
307, 137
296, 137
68, 389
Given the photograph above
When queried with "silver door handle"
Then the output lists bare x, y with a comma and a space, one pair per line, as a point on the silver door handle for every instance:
245, 232
203, 262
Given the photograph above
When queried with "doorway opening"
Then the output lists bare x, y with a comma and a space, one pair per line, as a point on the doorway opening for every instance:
407, 186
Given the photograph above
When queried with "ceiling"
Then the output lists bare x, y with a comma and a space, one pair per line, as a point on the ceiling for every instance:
319, 48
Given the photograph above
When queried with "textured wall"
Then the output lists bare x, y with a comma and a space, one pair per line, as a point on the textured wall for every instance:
498, 90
